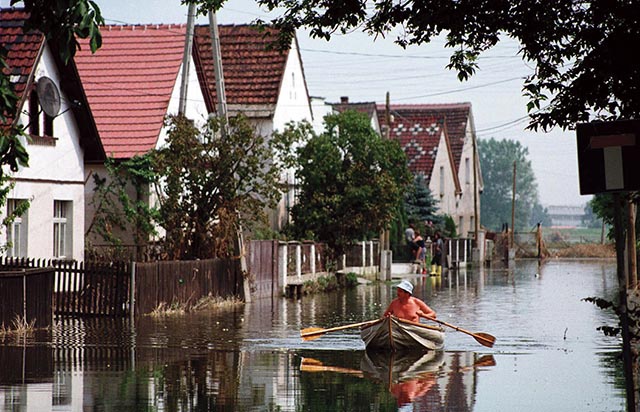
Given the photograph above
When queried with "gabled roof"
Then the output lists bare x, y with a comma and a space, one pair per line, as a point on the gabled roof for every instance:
129, 82
253, 69
455, 117
24, 51
368, 108
418, 129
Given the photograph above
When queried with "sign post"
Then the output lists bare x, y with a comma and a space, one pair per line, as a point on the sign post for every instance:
608, 158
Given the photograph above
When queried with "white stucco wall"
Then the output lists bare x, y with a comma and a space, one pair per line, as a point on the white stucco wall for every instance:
56, 172
320, 109
293, 101
443, 172
293, 106
465, 173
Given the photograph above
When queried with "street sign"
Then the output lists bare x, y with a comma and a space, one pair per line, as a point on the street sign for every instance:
609, 156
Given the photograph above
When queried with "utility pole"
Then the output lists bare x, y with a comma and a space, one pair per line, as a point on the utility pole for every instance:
217, 70
188, 45
476, 222
222, 112
513, 207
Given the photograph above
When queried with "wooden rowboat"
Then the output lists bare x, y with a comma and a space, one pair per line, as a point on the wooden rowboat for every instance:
395, 334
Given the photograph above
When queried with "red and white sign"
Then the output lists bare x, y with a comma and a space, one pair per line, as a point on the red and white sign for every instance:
609, 156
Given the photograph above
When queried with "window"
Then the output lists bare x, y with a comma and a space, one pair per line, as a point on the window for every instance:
467, 171
461, 226
39, 121
441, 181
61, 228
16, 230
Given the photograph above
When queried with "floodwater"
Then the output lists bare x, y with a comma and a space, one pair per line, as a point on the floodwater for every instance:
548, 355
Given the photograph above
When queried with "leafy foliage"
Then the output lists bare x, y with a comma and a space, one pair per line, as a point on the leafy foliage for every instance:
496, 159
350, 181
121, 202
606, 304
603, 207
582, 51
211, 184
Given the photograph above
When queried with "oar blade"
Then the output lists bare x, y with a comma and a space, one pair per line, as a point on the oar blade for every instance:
312, 333
484, 339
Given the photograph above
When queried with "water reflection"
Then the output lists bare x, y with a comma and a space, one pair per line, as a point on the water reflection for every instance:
548, 356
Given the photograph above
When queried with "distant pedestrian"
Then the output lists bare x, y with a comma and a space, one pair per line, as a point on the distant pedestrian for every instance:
436, 260
421, 252
409, 236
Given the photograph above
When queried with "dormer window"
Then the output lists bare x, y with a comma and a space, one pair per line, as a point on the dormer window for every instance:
40, 124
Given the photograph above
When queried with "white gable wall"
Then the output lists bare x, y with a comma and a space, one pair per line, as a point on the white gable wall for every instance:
466, 176
293, 101
442, 183
293, 106
56, 173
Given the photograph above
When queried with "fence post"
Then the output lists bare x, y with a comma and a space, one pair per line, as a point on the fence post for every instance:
298, 261
371, 253
364, 256
132, 293
282, 266
312, 257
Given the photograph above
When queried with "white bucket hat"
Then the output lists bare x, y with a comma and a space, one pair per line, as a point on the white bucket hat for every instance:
406, 286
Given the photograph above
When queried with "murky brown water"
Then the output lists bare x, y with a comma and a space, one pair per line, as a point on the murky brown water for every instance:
549, 355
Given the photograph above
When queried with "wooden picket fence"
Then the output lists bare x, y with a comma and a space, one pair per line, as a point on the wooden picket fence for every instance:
81, 288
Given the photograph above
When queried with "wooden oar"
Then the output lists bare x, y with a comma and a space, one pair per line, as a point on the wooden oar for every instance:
482, 338
315, 333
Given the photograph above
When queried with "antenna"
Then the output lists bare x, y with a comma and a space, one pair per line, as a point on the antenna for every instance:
49, 96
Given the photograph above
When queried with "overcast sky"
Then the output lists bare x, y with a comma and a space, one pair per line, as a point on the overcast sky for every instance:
356, 66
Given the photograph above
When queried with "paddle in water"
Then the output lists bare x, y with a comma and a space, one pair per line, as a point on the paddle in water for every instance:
315, 333
482, 338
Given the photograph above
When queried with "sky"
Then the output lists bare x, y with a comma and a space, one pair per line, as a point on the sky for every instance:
365, 69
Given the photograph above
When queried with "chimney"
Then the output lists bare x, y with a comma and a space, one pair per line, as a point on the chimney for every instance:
344, 100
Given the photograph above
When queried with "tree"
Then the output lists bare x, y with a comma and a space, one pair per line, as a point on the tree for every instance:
350, 181
420, 205
496, 160
209, 184
539, 214
583, 51
121, 204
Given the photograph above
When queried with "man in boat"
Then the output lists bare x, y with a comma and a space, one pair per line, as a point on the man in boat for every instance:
408, 307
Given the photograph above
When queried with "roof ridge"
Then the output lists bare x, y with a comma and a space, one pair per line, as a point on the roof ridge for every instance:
144, 26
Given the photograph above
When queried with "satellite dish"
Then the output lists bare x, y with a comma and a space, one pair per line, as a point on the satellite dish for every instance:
49, 96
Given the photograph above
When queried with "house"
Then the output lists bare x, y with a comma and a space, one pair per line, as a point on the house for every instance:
438, 140
132, 82
564, 216
62, 141
267, 85
368, 108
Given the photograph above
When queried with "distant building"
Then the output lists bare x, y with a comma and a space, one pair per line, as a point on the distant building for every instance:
566, 216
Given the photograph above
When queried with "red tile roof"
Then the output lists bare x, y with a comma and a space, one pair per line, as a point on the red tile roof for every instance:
129, 82
368, 108
22, 51
418, 133
455, 117
253, 71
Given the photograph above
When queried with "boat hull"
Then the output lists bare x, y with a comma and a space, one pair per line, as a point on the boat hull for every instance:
396, 334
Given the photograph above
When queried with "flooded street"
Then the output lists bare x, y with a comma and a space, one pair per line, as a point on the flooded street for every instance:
548, 355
